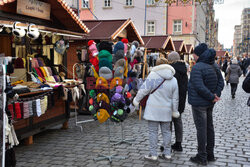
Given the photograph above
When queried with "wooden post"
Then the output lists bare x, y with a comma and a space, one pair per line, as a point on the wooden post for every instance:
28, 141
143, 76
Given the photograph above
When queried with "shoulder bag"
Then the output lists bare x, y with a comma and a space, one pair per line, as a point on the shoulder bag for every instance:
143, 102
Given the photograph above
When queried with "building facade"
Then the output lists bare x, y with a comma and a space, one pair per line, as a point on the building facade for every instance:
150, 18
187, 22
245, 30
237, 40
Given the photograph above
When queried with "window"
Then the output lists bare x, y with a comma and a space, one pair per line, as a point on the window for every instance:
85, 3
150, 2
150, 27
129, 2
107, 3
177, 26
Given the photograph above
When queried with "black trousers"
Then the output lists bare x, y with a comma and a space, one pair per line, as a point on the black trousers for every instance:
203, 119
233, 88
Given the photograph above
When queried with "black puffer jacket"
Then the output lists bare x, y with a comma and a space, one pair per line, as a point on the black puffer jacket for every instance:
182, 79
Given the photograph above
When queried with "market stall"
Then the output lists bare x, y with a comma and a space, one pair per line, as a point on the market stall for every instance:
190, 51
34, 36
157, 46
180, 47
222, 55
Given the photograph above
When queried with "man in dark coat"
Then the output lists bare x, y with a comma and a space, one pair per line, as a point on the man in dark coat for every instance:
204, 89
246, 86
182, 79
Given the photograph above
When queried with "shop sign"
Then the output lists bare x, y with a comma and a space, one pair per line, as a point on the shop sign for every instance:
34, 8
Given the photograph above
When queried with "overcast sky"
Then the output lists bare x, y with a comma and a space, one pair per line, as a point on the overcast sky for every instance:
229, 15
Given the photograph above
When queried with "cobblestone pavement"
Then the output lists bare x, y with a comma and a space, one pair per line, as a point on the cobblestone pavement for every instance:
56, 147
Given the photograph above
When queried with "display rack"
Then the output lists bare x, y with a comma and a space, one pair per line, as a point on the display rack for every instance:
122, 140
109, 157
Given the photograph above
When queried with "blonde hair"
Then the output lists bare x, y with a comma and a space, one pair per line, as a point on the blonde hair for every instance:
161, 60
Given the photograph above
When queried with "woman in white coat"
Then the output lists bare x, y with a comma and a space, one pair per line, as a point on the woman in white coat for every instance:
161, 106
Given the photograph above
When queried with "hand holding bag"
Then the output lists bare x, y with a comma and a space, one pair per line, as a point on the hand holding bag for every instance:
143, 102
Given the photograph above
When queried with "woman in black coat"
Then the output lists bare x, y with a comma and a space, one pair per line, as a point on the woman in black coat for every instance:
182, 79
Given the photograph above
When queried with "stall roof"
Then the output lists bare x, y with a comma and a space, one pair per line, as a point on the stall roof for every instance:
111, 29
190, 48
59, 10
158, 42
180, 46
222, 53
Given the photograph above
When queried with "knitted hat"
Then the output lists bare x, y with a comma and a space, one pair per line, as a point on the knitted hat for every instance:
138, 53
105, 63
198, 50
105, 54
119, 72
93, 49
115, 82
102, 115
161, 60
118, 46
118, 55
117, 97
102, 97
92, 93
102, 82
119, 89
234, 61
105, 45
136, 44
106, 73
125, 42
173, 56
120, 62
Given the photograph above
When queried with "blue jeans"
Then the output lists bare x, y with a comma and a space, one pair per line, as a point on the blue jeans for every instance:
203, 119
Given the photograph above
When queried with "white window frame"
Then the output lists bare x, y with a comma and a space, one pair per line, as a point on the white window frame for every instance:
178, 26
150, 27
150, 2
84, 4
128, 2
106, 2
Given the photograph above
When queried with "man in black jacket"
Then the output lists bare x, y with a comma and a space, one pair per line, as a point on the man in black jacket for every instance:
182, 79
204, 89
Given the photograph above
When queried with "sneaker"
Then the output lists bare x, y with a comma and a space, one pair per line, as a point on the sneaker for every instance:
199, 161
177, 147
166, 157
150, 157
211, 158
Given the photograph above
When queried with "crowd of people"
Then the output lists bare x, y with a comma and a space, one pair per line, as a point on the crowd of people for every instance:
168, 86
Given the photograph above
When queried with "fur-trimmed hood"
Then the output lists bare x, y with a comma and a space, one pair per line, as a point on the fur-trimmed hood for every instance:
165, 71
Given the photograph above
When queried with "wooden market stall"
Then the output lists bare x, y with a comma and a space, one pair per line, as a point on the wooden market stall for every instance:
54, 23
180, 47
190, 51
222, 55
103, 30
160, 44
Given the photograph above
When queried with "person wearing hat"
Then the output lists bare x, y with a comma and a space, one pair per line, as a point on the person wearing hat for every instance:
204, 89
182, 79
161, 106
234, 72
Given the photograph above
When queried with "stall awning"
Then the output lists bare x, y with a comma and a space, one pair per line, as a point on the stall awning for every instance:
158, 42
222, 53
111, 29
61, 16
190, 48
180, 46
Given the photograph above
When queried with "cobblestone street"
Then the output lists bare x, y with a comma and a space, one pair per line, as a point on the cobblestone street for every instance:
56, 147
